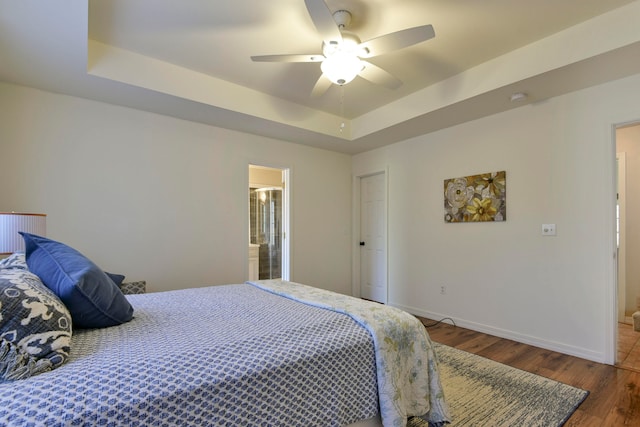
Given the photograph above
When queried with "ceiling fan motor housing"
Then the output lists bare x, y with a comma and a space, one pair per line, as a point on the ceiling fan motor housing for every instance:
342, 18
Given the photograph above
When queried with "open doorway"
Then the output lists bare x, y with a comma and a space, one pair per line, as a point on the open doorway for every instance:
628, 243
268, 223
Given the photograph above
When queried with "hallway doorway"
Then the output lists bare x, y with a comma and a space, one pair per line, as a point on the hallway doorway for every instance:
627, 144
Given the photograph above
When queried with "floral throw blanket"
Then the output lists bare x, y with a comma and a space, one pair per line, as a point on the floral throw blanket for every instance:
408, 379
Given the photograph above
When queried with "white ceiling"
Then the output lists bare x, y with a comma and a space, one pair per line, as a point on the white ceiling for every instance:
191, 59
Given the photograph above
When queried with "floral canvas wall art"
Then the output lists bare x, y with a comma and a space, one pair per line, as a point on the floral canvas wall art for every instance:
476, 198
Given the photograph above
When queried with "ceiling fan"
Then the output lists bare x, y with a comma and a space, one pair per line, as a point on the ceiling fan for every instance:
343, 52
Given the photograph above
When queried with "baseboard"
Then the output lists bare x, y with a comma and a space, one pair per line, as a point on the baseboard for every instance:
582, 353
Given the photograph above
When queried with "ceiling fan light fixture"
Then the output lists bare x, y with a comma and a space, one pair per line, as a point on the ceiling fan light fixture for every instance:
341, 67
342, 50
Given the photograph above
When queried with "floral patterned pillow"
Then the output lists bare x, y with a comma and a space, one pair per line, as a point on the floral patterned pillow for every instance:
15, 260
35, 326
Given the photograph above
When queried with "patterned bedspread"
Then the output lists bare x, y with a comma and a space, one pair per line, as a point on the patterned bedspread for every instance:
219, 356
408, 378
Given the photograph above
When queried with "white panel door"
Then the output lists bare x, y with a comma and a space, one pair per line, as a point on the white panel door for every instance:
373, 238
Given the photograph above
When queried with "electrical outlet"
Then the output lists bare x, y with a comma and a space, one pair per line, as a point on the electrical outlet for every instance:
443, 290
548, 229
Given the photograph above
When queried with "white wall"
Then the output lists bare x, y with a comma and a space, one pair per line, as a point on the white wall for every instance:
163, 199
506, 278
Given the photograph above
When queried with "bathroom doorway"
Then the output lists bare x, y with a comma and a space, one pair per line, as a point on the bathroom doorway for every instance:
268, 223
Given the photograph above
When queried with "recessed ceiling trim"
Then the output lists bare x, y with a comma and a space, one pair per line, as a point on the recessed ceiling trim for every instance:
123, 66
607, 32
601, 34
51, 54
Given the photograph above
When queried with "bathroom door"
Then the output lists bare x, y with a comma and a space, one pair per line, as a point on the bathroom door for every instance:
373, 238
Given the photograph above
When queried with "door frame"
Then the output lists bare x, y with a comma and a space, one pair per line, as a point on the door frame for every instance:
355, 220
286, 216
621, 231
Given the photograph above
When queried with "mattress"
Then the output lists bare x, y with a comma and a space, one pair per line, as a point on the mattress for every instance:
217, 356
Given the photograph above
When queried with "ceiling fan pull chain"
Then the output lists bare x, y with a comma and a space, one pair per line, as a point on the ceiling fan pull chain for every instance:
342, 107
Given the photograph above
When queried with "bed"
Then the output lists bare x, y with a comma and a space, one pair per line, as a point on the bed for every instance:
270, 353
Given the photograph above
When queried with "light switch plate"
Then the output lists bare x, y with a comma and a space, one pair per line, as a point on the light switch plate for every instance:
548, 229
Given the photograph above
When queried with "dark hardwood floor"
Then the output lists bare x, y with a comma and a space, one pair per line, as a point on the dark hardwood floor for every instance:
614, 398
628, 347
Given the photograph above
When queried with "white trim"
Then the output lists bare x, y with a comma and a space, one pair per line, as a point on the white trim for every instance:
621, 277
503, 333
611, 300
286, 224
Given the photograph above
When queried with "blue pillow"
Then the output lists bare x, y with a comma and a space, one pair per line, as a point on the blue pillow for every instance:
117, 278
90, 295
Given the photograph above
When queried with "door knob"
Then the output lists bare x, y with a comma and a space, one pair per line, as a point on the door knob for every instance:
361, 243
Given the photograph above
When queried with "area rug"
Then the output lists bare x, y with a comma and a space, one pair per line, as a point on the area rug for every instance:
481, 392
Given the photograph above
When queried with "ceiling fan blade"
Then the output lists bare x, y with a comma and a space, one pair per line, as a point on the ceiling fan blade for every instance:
377, 75
321, 86
288, 58
395, 41
323, 19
